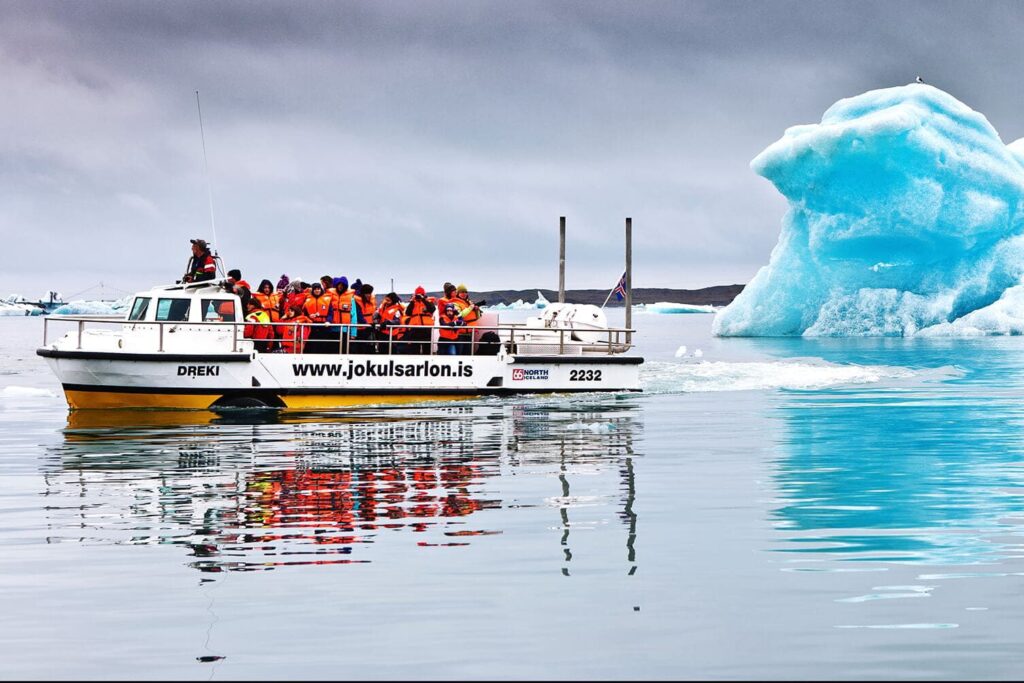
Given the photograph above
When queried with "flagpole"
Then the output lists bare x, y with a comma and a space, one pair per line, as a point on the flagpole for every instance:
608, 298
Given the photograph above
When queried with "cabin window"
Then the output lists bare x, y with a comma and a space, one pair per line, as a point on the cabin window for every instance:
217, 310
139, 308
172, 310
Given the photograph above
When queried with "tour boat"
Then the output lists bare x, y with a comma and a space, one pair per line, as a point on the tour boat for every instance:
182, 346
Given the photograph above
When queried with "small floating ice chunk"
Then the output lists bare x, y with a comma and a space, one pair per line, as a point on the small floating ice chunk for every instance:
681, 351
16, 391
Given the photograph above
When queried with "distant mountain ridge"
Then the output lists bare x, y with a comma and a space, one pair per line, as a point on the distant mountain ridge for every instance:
718, 295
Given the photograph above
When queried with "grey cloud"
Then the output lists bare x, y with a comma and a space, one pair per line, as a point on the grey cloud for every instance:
435, 140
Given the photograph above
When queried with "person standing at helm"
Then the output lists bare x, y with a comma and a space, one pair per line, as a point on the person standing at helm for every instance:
419, 316
202, 266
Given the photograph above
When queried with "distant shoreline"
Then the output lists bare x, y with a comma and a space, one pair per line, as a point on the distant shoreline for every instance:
718, 295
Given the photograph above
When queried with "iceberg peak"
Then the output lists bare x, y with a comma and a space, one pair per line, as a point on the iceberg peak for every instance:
906, 211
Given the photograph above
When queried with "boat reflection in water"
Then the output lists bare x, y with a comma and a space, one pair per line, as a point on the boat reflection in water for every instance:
255, 490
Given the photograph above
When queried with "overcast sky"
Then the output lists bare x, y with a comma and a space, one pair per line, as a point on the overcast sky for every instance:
431, 141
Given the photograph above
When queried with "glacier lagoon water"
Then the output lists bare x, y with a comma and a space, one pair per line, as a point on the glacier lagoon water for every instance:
906, 216
802, 508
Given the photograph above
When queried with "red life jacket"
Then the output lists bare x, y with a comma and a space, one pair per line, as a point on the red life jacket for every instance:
293, 337
258, 326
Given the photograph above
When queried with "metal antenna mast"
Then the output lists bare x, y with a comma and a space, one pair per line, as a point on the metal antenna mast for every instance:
206, 168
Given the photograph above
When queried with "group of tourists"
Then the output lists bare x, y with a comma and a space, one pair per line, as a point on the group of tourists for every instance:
332, 316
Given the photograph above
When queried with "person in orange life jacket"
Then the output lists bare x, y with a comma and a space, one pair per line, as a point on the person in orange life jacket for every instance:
341, 318
235, 280
365, 306
293, 337
318, 307
328, 283
318, 304
448, 296
419, 316
202, 266
389, 320
269, 300
258, 326
469, 312
448, 335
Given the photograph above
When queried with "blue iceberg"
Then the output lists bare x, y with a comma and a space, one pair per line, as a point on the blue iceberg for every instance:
108, 308
905, 217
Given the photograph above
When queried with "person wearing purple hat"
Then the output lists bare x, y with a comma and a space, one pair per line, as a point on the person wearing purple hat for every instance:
341, 315
282, 284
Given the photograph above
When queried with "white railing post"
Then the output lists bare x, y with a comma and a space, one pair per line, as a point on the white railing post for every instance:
161, 346
81, 326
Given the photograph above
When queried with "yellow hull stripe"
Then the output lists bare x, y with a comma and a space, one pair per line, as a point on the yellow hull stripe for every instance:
89, 400
342, 401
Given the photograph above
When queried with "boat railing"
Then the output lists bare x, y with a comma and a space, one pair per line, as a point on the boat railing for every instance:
518, 338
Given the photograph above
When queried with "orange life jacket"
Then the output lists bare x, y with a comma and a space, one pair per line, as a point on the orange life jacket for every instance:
342, 314
366, 308
472, 316
269, 302
316, 307
392, 315
449, 326
293, 337
419, 315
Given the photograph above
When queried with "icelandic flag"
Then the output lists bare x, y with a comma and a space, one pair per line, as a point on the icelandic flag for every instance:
620, 289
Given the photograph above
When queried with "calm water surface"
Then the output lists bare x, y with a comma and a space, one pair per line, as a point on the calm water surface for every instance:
773, 509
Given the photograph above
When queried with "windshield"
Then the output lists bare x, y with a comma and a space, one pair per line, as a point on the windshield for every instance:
173, 310
139, 308
215, 310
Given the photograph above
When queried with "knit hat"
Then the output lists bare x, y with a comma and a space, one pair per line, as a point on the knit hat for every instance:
462, 288
420, 291
357, 285
282, 283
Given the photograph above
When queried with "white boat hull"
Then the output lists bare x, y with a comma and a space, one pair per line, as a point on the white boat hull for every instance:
135, 380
